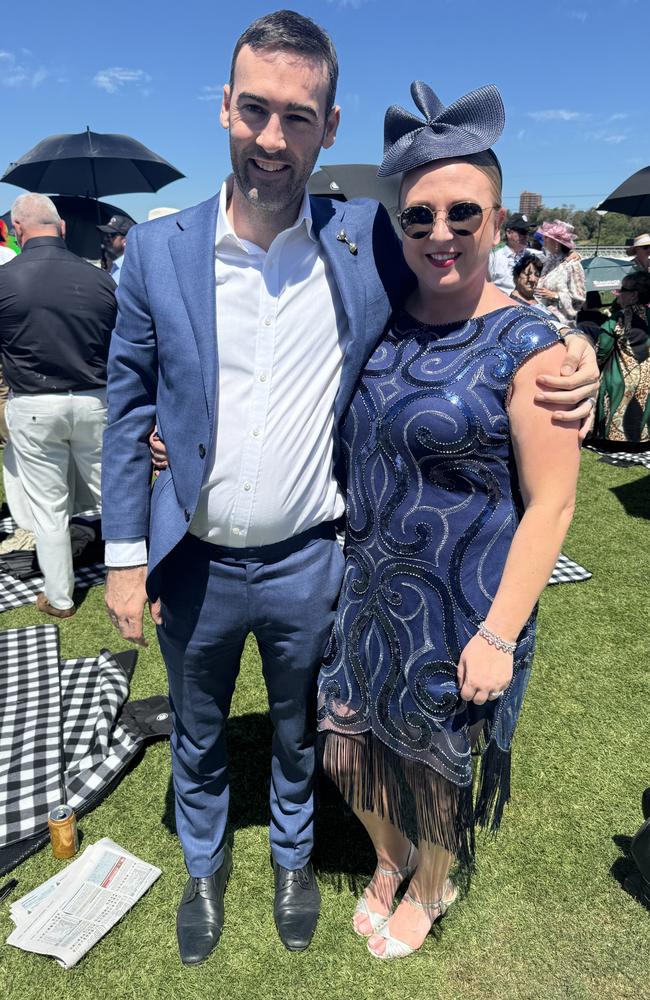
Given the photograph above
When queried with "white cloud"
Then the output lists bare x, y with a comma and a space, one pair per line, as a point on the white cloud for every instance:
618, 117
210, 93
556, 115
351, 102
15, 72
578, 15
113, 80
603, 135
354, 4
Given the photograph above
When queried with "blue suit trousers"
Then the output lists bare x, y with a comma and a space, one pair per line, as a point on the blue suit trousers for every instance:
212, 597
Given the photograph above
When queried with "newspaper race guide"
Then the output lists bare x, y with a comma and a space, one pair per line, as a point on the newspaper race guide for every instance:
65, 916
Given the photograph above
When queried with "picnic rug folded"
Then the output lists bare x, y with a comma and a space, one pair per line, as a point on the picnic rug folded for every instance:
626, 459
67, 733
20, 579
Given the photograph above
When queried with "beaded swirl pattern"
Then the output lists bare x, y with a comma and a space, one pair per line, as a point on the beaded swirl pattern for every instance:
432, 506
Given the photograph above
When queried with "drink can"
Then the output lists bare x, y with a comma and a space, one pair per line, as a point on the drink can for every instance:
63, 832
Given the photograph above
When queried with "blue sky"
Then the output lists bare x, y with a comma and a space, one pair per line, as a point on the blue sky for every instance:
571, 73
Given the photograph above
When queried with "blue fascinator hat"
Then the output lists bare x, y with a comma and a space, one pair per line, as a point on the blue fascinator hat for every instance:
470, 125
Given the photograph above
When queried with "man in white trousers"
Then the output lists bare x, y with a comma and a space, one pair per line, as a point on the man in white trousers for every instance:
56, 317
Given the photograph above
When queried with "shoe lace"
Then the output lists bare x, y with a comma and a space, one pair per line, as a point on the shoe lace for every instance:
301, 876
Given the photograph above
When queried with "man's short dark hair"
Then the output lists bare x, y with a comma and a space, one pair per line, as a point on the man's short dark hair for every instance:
287, 31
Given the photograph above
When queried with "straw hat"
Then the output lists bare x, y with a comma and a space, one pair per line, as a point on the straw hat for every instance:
158, 213
641, 241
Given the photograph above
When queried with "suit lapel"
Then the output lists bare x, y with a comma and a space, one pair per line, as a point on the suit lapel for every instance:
192, 251
329, 219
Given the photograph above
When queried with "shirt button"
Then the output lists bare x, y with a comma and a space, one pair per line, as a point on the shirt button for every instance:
256, 432
236, 531
263, 377
201, 451
267, 321
186, 514
247, 486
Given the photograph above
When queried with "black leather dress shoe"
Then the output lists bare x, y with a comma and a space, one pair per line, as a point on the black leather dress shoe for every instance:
199, 920
297, 905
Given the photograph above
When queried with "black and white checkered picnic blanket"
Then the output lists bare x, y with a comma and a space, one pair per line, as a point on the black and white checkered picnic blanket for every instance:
624, 458
15, 593
59, 740
568, 571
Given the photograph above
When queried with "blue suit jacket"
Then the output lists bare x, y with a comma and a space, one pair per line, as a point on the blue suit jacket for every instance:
163, 365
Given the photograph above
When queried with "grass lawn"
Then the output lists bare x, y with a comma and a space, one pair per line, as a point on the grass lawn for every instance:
546, 918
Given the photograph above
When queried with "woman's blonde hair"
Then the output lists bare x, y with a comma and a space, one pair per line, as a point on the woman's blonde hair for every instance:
485, 161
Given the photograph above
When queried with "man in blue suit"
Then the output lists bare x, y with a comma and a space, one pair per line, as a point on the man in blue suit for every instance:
243, 325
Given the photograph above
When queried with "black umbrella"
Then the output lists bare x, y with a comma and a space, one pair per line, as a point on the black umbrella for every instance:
91, 164
81, 221
632, 197
344, 181
82, 215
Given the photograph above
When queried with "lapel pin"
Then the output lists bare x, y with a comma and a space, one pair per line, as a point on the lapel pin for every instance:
342, 238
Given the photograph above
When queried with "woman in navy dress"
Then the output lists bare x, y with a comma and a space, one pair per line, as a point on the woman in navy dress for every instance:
460, 491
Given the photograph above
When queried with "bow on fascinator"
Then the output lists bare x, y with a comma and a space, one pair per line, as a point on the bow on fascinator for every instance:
469, 125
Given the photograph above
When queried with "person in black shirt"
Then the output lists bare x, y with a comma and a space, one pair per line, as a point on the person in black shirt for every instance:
56, 317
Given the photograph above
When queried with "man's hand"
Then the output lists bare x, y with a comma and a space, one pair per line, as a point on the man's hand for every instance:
576, 387
158, 452
125, 597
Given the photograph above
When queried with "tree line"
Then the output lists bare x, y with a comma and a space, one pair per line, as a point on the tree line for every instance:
615, 229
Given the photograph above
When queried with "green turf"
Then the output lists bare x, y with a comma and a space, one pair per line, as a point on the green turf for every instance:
546, 917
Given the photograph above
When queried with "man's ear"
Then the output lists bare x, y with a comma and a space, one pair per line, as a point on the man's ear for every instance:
62, 229
18, 229
331, 126
224, 114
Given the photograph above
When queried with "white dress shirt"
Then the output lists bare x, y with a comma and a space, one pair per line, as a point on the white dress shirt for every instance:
500, 265
6, 254
281, 336
116, 268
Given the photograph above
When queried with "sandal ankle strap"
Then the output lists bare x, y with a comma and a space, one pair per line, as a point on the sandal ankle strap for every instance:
437, 904
406, 870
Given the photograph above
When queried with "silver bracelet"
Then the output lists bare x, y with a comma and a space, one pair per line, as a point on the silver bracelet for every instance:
496, 640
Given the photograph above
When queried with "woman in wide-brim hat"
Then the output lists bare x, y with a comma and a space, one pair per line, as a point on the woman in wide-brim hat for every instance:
561, 287
460, 491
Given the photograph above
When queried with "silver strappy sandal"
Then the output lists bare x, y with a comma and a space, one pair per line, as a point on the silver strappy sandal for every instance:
399, 949
378, 920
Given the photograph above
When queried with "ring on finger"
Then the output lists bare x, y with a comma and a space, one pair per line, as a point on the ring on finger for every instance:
494, 695
592, 401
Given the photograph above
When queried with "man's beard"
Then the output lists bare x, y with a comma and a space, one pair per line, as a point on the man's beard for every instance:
277, 194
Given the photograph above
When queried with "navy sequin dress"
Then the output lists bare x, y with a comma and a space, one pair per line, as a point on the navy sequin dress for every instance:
432, 506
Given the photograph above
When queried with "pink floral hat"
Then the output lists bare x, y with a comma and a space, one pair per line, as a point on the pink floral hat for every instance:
561, 232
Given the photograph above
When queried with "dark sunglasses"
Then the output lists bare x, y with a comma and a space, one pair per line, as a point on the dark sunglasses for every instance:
464, 219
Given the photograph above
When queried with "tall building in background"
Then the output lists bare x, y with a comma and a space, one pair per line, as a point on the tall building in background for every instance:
528, 202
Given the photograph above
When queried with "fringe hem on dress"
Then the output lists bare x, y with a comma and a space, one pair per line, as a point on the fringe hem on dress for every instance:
413, 796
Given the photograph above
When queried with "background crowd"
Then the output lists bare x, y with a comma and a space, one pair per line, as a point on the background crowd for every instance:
536, 265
